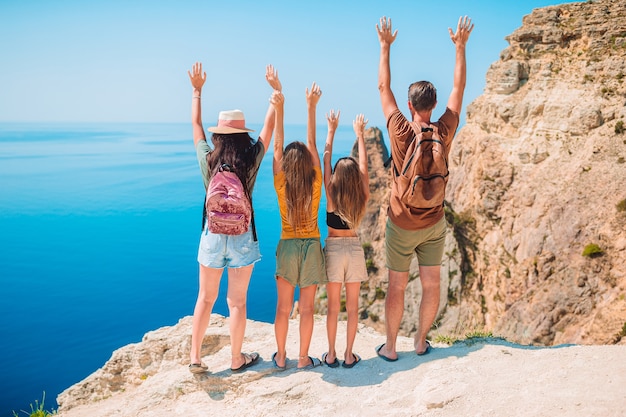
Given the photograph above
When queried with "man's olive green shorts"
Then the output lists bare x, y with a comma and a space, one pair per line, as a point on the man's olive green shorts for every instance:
400, 245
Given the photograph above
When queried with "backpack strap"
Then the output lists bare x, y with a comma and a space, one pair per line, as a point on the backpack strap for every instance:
204, 210
254, 236
389, 161
219, 167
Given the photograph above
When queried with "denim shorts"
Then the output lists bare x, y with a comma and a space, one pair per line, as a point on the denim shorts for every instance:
345, 260
228, 251
428, 244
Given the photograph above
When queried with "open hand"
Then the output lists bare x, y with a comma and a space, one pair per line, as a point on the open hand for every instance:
358, 125
196, 76
271, 75
385, 34
313, 96
277, 100
463, 30
333, 119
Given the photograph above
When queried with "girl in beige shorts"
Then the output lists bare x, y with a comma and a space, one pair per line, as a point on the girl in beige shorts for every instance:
347, 191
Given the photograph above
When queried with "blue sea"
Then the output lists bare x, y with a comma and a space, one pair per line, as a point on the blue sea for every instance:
99, 227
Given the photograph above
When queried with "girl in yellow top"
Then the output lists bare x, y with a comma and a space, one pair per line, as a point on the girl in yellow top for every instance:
347, 191
299, 256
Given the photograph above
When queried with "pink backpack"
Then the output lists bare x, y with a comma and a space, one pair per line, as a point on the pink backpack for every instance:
228, 208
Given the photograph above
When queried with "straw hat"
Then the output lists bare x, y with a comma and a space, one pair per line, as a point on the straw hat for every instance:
230, 121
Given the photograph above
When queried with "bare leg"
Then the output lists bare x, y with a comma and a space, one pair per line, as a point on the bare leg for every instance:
394, 309
430, 279
207, 294
352, 307
306, 305
238, 280
333, 290
281, 322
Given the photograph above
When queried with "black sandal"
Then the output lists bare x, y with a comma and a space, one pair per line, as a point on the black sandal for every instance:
249, 360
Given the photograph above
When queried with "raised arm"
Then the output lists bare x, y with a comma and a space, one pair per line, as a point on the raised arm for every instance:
359, 129
271, 75
459, 38
386, 38
278, 102
312, 98
333, 121
197, 78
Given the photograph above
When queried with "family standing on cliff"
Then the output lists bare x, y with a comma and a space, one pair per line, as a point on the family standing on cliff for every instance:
415, 224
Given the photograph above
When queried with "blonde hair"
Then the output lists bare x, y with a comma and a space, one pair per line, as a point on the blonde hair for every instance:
346, 192
297, 165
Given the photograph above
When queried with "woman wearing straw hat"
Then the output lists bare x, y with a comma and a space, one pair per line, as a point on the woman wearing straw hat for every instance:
232, 145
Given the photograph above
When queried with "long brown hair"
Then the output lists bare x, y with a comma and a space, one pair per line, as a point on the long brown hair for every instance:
297, 164
237, 150
345, 190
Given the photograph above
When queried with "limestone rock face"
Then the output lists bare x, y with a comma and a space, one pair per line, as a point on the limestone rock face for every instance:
537, 174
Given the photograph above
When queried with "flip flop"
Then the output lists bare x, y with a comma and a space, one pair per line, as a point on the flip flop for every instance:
357, 359
334, 364
380, 355
427, 351
198, 368
249, 360
314, 364
276, 365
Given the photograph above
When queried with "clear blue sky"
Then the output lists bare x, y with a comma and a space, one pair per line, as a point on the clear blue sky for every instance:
126, 61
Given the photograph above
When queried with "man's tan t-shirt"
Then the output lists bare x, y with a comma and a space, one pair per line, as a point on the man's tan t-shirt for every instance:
401, 134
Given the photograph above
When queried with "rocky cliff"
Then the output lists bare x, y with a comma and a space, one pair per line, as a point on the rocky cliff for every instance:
536, 200
539, 182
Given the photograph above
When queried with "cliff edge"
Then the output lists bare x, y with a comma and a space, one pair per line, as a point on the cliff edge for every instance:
474, 377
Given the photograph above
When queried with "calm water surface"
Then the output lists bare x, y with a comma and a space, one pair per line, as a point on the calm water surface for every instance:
99, 226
